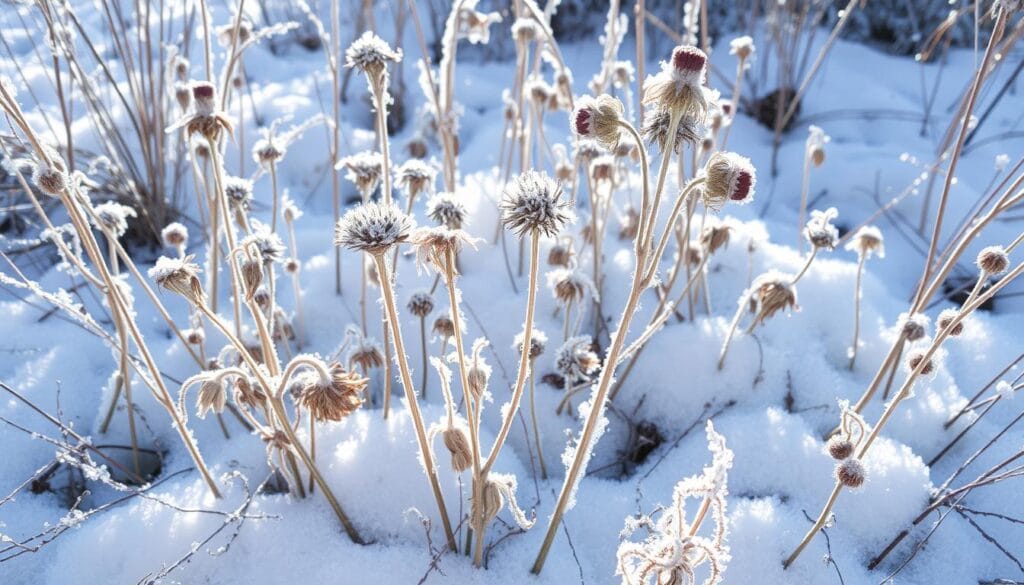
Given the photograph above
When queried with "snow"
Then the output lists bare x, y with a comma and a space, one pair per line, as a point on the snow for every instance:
869, 103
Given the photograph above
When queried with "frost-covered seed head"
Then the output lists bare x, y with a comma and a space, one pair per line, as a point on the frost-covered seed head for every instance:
819, 230
194, 336
525, 30
915, 359
266, 152
945, 320
602, 168
269, 245
559, 254
772, 292
539, 91
212, 397
913, 327
436, 245
239, 193
532, 203
114, 217
993, 260
816, 141
446, 209
371, 55
656, 126
226, 33
51, 178
715, 236
292, 266
622, 73
867, 241
332, 399
415, 176
457, 443
481, 513
679, 86
417, 147
183, 95
364, 170
252, 277
850, 472
179, 275
575, 360
421, 304
729, 177
444, 326
629, 223
204, 98
538, 342
839, 448
742, 47
367, 355
599, 119
569, 286
586, 150
174, 235
373, 228
261, 297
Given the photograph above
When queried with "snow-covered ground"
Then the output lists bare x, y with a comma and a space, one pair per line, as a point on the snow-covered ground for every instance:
773, 401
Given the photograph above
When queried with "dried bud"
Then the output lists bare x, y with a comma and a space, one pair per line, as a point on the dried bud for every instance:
913, 327
175, 235
458, 446
839, 448
729, 177
679, 86
252, 277
183, 95
417, 148
211, 397
483, 512
292, 266
993, 260
946, 319
444, 326
629, 224
598, 118
850, 473
820, 232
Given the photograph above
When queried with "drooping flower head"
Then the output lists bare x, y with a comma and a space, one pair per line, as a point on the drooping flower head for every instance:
729, 177
867, 241
332, 398
533, 202
575, 360
819, 230
598, 118
656, 127
179, 275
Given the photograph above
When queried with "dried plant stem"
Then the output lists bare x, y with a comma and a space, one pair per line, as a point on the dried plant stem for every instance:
732, 330
388, 299
423, 352
276, 197
856, 310
536, 427
296, 287
640, 24
805, 186
734, 102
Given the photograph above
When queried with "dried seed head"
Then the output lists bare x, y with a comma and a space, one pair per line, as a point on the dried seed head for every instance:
266, 243
575, 360
179, 275
200, 148
913, 327
532, 203
850, 472
371, 55
656, 128
238, 192
51, 177
482, 512
693, 254
204, 98
559, 254
181, 66
867, 241
252, 277
248, 393
839, 448
525, 30
226, 33
993, 260
174, 235
586, 150
367, 354
373, 228
458, 446
602, 168
417, 147
261, 297
282, 327
421, 304
915, 358
772, 292
729, 177
194, 336
447, 210
622, 73
715, 236
292, 265
415, 176
598, 118
435, 246
679, 86
477, 377
629, 223
742, 47
267, 152
540, 92
816, 141
334, 398
819, 230
364, 170
945, 320
114, 217
444, 326
570, 286
183, 95
473, 25
212, 396
538, 342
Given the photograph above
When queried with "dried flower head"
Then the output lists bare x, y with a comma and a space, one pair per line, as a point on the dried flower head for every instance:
194, 336
435, 246
371, 55
364, 170
113, 217
446, 209
816, 141
850, 472
51, 177
525, 30
444, 326
252, 277
586, 150
915, 360
629, 223
575, 360
183, 95
267, 152
729, 177
560, 254
913, 326
946, 319
819, 230
540, 92
533, 202
226, 33
373, 228
839, 448
421, 304
367, 354
174, 235
742, 47
993, 260
332, 398
473, 25
570, 286
714, 236
179, 275
770, 293
238, 192
599, 119
204, 119
655, 130
602, 168
679, 86
538, 342
479, 373
457, 443
622, 73
266, 243
212, 397
415, 176
867, 241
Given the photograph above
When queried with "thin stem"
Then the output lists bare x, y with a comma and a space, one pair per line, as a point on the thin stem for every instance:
856, 311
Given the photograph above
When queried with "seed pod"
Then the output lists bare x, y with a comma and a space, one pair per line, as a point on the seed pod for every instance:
839, 448
457, 443
421, 304
444, 326
850, 473
946, 319
914, 360
483, 512
993, 260
913, 327
252, 277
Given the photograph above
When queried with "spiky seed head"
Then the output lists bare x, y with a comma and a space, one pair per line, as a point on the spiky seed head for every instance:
415, 176
457, 443
533, 202
742, 47
268, 244
373, 228
238, 192
212, 397
332, 399
538, 342
367, 354
839, 448
179, 275
444, 326
194, 336
867, 241
913, 327
850, 472
371, 55
421, 304
575, 360
729, 177
598, 118
559, 254
252, 277
772, 292
819, 230
945, 320
113, 216
993, 260
715, 236
364, 170
656, 127
446, 209
679, 86
267, 152
174, 235
916, 358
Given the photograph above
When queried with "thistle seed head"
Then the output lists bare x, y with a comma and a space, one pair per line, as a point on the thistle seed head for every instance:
850, 472
533, 202
373, 228
993, 260
446, 209
729, 177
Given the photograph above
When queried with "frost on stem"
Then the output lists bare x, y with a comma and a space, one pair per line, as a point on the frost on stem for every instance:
373, 228
573, 448
673, 551
533, 203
